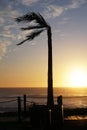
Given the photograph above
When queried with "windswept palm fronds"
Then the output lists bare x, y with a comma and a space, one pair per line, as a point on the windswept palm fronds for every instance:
40, 25
33, 17
31, 36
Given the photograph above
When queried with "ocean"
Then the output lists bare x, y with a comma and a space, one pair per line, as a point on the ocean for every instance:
72, 97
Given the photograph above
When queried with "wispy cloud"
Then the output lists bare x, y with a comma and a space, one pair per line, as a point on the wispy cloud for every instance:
1, 21
29, 2
3, 47
7, 26
53, 11
76, 4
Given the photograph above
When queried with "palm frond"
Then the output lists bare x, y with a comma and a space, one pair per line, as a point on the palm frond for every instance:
31, 36
32, 27
27, 17
31, 17
34, 34
40, 26
42, 20
22, 41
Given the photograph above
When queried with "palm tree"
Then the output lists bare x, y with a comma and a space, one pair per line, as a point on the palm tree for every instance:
40, 26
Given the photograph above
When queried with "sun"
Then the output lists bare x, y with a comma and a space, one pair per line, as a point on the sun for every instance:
78, 78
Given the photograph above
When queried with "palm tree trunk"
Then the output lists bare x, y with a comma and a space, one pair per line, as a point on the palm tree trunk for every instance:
50, 101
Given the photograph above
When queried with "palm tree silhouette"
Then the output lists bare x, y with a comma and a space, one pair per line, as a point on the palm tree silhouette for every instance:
39, 26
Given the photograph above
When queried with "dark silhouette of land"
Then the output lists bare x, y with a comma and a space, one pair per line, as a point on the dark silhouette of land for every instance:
68, 125
39, 121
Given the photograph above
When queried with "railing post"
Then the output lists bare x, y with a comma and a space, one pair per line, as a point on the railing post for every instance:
24, 103
19, 108
60, 110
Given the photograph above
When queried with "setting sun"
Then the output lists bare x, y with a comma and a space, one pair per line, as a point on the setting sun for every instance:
78, 78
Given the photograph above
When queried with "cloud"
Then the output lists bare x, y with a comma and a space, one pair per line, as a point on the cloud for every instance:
7, 30
7, 33
76, 4
3, 48
29, 2
52, 10
1, 21
9, 14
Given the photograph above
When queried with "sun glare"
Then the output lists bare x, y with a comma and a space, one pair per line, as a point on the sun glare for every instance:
78, 78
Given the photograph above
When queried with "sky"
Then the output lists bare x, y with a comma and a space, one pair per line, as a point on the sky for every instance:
27, 65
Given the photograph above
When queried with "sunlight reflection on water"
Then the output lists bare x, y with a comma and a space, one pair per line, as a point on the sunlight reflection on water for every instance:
76, 117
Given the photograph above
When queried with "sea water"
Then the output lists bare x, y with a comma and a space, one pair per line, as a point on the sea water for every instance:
72, 97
